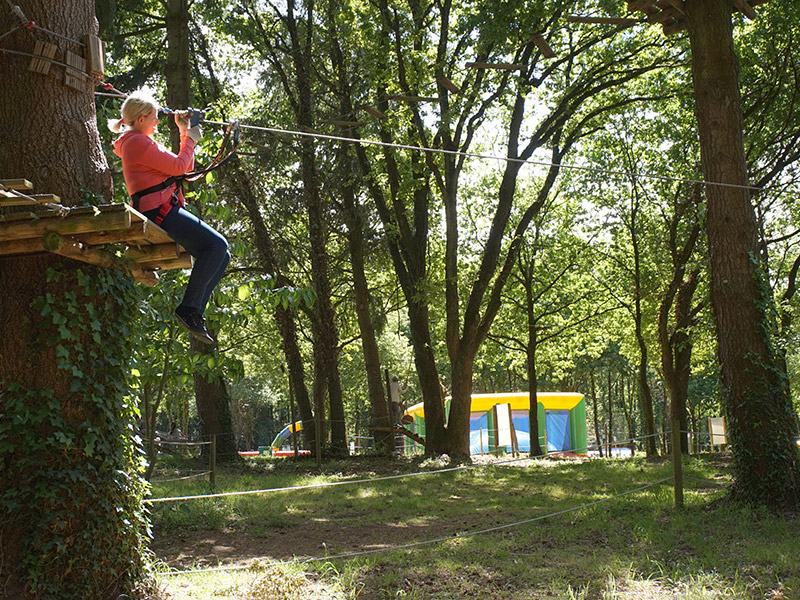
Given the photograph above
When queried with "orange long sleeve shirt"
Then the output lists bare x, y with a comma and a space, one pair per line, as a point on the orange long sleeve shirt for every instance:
146, 163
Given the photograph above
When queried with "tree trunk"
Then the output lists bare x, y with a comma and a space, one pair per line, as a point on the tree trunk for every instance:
533, 383
214, 409
177, 70
239, 182
598, 434
353, 213
71, 520
755, 392
379, 408
326, 344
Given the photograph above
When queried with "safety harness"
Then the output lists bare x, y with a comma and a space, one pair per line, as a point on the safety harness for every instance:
230, 141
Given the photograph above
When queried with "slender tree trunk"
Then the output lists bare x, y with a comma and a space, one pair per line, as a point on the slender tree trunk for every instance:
598, 434
241, 185
379, 408
353, 213
755, 392
533, 383
327, 337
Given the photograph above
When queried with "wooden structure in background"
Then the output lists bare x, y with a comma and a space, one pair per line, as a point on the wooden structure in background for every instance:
110, 235
671, 14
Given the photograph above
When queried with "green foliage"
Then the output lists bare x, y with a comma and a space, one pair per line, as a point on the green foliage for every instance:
77, 487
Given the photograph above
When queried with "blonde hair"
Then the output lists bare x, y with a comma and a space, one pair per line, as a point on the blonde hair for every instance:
139, 103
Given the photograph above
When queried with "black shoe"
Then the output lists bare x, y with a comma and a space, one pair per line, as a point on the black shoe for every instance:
194, 322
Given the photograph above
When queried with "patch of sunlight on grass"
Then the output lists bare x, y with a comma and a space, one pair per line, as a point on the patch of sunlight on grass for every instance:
703, 586
279, 582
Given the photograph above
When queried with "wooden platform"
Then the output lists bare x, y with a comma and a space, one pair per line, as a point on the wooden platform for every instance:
110, 235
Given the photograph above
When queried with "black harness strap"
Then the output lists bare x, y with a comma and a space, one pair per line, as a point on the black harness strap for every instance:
155, 188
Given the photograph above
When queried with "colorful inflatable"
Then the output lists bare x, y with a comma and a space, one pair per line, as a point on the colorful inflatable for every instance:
499, 422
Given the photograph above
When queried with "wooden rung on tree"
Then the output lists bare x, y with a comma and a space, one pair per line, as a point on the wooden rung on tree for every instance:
743, 7
95, 56
541, 43
39, 65
373, 111
75, 77
498, 66
448, 84
342, 123
603, 20
401, 98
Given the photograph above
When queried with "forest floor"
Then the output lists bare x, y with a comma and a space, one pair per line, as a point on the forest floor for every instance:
571, 528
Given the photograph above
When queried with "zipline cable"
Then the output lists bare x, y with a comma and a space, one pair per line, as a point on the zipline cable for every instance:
511, 159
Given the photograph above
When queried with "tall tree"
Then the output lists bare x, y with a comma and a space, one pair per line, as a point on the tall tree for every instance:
71, 519
755, 392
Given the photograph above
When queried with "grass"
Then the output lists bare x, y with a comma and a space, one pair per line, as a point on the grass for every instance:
635, 546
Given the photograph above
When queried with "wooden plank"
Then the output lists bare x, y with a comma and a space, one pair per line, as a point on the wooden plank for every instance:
16, 184
743, 7
153, 253
145, 276
676, 4
184, 261
22, 247
154, 233
665, 17
136, 232
340, 123
95, 56
645, 6
448, 84
498, 66
71, 248
603, 20
675, 27
541, 43
37, 65
401, 98
46, 198
76, 222
373, 111
8, 199
75, 77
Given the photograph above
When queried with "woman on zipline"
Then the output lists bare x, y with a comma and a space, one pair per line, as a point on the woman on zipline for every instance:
153, 178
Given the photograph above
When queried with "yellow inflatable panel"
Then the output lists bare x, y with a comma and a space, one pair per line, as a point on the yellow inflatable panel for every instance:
518, 400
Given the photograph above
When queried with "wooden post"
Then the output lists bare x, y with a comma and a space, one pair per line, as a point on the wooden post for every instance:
318, 439
677, 467
292, 427
213, 460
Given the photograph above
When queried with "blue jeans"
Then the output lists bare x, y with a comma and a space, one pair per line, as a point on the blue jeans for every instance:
208, 247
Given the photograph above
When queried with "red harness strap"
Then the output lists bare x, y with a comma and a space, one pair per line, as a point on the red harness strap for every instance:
164, 211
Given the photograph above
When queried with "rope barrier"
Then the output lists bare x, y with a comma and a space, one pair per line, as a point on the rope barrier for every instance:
195, 476
309, 486
355, 481
419, 543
